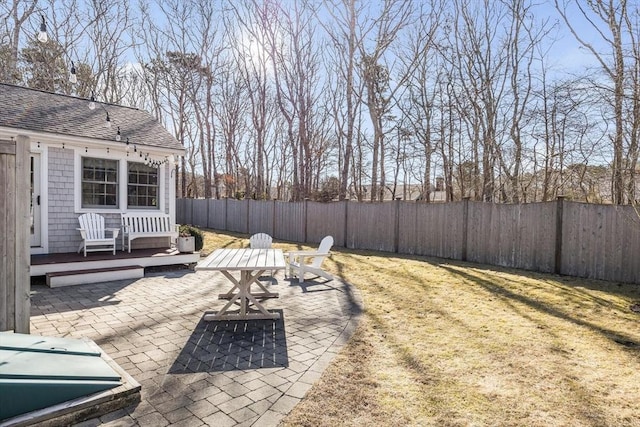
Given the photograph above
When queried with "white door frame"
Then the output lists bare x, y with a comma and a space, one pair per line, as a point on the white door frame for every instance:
36, 196
39, 233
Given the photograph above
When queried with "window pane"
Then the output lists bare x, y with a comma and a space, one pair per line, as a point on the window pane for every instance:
142, 183
99, 183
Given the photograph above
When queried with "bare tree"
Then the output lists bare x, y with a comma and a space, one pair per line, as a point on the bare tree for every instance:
390, 92
523, 37
345, 41
14, 17
47, 65
616, 25
478, 63
375, 67
252, 57
205, 39
295, 65
111, 23
168, 72
418, 108
231, 111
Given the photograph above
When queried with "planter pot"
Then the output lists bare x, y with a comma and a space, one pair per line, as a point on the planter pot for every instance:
186, 244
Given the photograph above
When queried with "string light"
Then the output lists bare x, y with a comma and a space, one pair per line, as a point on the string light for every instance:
73, 78
43, 37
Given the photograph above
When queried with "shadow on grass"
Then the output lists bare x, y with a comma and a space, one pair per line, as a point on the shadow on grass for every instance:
234, 345
504, 293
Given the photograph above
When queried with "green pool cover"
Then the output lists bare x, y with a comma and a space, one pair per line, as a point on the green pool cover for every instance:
37, 372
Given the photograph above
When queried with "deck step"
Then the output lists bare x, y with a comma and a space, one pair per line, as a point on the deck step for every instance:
96, 275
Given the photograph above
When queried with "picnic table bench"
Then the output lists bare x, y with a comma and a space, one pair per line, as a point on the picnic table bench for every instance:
136, 225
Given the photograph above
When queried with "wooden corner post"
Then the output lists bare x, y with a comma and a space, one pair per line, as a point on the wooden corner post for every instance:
558, 249
15, 286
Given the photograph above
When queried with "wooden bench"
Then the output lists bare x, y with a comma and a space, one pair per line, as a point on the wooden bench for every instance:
146, 224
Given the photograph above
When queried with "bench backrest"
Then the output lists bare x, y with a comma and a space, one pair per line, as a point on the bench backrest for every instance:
146, 223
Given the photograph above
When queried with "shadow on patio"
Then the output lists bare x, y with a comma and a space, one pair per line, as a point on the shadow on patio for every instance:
234, 345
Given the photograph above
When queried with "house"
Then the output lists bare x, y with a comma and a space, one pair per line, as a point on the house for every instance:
409, 192
87, 156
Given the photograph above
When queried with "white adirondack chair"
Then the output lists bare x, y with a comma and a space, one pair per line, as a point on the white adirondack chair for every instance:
301, 262
94, 234
261, 241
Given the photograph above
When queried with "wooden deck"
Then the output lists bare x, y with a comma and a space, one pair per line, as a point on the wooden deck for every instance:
69, 262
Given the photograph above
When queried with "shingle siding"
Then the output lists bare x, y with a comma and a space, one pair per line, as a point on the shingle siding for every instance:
63, 236
63, 221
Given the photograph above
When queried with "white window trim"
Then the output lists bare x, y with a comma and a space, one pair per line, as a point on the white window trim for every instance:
122, 182
159, 208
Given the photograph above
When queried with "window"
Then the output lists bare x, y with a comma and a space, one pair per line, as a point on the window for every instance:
99, 183
142, 186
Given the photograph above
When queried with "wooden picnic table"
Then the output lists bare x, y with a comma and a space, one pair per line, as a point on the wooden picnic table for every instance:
251, 263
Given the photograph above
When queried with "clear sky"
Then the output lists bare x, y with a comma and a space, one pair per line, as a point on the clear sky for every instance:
567, 53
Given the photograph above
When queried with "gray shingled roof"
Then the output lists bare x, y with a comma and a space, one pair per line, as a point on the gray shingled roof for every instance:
41, 111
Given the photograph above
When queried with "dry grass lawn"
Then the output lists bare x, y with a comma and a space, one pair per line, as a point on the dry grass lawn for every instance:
447, 343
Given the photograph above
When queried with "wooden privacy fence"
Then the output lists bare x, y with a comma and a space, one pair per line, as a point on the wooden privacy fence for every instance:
14, 236
576, 239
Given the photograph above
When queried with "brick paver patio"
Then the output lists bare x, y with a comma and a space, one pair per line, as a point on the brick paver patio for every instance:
194, 372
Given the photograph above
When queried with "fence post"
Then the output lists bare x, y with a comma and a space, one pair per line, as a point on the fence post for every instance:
306, 218
247, 224
559, 215
226, 212
273, 219
465, 227
396, 231
207, 220
191, 221
346, 222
